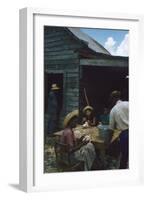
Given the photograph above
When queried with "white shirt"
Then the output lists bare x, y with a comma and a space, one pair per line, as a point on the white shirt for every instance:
119, 116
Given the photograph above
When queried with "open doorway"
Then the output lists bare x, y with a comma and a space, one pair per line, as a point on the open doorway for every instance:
99, 82
49, 79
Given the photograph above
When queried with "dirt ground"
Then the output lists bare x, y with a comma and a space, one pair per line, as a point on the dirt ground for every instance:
50, 164
49, 156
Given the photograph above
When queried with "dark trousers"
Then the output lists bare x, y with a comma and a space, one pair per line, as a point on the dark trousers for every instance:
124, 149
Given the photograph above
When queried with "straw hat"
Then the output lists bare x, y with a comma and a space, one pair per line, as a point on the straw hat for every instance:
54, 87
70, 116
87, 108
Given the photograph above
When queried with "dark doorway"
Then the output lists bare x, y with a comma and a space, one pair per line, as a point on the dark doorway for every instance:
99, 82
50, 79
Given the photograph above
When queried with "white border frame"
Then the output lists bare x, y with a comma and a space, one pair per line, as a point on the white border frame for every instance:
29, 77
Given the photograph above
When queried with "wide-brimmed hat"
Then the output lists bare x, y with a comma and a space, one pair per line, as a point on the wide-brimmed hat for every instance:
87, 108
54, 87
69, 117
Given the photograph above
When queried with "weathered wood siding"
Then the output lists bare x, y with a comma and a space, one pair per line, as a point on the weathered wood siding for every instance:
61, 56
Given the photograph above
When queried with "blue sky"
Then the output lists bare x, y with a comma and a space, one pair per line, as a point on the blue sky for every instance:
115, 41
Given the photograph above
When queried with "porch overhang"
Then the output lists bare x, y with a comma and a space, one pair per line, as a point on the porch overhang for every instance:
101, 62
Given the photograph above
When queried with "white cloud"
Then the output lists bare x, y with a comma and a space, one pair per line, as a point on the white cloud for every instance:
120, 50
123, 48
110, 45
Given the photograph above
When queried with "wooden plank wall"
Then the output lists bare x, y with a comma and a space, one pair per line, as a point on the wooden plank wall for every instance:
60, 55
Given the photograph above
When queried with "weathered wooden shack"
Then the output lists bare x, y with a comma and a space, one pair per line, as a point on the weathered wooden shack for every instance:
75, 61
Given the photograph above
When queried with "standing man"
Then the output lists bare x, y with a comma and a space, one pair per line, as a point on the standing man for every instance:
119, 119
53, 108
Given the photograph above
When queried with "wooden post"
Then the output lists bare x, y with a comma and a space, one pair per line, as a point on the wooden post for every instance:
87, 101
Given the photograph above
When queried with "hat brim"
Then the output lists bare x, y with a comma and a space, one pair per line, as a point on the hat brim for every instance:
55, 88
70, 116
87, 108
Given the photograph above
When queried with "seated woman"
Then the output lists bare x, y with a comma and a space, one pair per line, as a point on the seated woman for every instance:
89, 117
82, 150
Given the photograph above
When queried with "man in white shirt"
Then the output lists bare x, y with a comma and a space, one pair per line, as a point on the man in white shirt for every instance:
119, 119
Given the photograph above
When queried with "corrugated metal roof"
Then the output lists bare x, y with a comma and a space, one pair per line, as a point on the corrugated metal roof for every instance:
92, 44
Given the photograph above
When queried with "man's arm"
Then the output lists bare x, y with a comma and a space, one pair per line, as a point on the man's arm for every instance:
111, 125
110, 135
